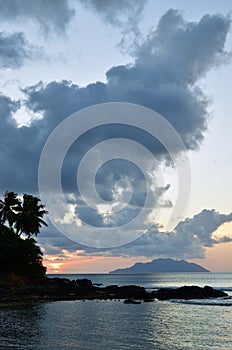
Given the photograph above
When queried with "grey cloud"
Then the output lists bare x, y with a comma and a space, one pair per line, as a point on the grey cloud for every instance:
123, 14
92, 218
49, 14
20, 160
203, 225
14, 50
163, 77
225, 239
117, 12
194, 47
188, 240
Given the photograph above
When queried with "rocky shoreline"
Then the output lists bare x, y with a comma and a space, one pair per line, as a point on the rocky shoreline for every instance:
58, 289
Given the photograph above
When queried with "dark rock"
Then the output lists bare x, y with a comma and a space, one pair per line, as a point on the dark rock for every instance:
132, 292
84, 283
131, 301
58, 282
64, 289
188, 292
125, 291
113, 289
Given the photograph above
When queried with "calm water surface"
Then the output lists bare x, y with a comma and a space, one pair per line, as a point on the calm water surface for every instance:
113, 325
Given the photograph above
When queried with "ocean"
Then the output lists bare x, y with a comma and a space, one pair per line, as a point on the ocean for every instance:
113, 325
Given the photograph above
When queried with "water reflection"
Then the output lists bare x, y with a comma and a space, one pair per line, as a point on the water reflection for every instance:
21, 326
115, 326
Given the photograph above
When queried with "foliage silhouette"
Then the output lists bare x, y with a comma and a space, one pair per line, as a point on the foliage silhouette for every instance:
20, 257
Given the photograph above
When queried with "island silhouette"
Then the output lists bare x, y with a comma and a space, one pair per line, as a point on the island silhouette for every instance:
161, 265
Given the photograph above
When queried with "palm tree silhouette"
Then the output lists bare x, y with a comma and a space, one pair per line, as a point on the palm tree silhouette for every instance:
23, 216
20, 255
29, 216
8, 208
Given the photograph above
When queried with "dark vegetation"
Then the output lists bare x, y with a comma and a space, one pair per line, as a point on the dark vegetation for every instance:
21, 259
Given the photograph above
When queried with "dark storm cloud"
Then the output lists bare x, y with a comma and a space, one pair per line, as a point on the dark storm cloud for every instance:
19, 150
167, 67
7, 107
163, 77
14, 50
7, 127
49, 14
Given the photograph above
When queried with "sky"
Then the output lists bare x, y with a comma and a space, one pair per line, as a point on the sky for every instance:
117, 114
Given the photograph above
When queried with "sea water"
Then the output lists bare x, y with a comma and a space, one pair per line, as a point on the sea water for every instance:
113, 325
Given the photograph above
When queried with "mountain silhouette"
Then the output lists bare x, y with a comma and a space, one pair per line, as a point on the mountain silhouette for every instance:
162, 265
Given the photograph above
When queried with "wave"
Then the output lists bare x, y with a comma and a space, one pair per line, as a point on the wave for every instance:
206, 302
225, 289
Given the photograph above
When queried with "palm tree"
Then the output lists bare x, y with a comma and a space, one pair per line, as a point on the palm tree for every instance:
23, 216
29, 216
8, 208
20, 256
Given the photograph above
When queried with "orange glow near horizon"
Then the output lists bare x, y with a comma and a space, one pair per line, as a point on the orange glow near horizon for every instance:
83, 264
217, 258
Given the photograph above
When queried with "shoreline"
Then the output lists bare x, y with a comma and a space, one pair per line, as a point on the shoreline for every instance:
63, 289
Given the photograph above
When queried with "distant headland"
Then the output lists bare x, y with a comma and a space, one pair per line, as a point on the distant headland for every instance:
161, 265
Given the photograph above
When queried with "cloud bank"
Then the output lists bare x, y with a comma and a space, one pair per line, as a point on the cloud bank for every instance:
187, 241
